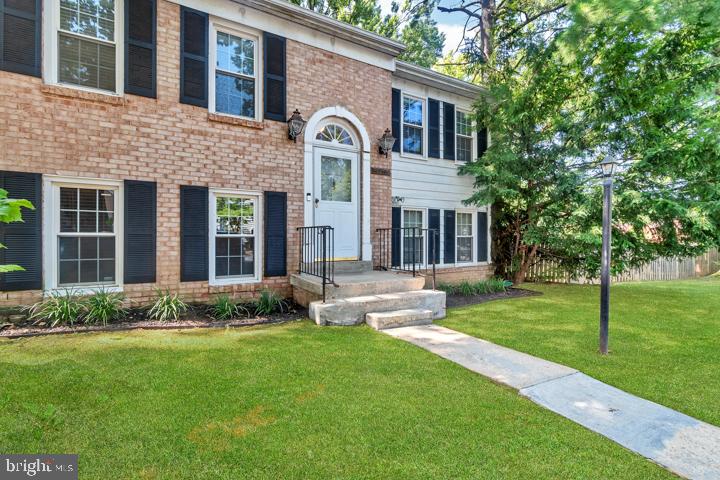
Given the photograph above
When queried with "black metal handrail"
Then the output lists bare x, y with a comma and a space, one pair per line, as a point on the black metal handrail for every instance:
407, 249
316, 253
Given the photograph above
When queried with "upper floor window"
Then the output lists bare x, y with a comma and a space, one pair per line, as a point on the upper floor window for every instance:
235, 77
413, 122
463, 137
86, 44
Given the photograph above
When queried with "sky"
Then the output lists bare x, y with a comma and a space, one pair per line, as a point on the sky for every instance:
451, 24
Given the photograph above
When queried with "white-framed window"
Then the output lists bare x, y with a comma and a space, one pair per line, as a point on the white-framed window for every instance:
413, 250
234, 83
463, 137
234, 237
464, 237
84, 47
413, 125
84, 231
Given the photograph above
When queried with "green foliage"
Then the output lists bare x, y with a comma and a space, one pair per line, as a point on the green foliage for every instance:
270, 302
167, 307
60, 308
104, 307
409, 22
11, 211
467, 288
570, 85
225, 308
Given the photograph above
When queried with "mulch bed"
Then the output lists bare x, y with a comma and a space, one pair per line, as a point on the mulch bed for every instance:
465, 300
135, 322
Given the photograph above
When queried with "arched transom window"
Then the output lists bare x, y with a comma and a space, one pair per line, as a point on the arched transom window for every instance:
336, 134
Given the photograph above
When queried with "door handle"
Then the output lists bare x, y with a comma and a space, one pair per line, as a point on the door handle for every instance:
317, 202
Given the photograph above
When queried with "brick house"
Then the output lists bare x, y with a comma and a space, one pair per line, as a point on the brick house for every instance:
152, 136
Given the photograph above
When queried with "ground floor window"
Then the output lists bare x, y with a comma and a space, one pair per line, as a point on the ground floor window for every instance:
84, 221
413, 236
464, 236
234, 242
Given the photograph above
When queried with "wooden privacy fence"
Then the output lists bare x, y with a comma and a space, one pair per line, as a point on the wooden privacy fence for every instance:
546, 270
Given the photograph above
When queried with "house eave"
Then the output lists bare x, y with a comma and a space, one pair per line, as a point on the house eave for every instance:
291, 12
431, 78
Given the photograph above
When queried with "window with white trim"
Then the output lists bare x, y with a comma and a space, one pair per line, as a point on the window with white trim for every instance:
413, 236
464, 237
413, 125
234, 237
463, 137
235, 76
85, 221
87, 37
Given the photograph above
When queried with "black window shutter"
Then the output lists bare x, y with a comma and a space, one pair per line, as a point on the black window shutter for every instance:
194, 233
395, 123
395, 237
433, 128
140, 47
20, 41
448, 131
140, 232
275, 234
275, 78
482, 141
193, 57
434, 224
449, 236
22, 240
482, 233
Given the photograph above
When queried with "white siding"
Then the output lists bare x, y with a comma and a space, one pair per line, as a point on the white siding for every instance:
431, 183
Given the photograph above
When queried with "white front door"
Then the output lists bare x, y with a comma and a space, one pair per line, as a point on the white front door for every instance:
335, 199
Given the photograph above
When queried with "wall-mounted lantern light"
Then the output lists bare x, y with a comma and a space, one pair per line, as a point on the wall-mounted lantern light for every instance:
386, 142
295, 125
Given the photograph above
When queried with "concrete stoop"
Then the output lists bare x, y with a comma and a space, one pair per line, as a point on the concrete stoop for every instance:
307, 288
399, 318
353, 310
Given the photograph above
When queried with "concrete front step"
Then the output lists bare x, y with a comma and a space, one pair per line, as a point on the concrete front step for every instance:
399, 318
307, 288
352, 311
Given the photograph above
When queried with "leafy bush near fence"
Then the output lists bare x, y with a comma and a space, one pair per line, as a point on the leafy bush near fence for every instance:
467, 288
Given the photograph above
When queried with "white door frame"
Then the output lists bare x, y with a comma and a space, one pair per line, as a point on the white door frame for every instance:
309, 157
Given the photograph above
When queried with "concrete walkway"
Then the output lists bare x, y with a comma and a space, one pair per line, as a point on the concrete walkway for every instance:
682, 444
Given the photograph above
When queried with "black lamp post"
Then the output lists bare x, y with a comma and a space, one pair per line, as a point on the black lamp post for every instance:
608, 167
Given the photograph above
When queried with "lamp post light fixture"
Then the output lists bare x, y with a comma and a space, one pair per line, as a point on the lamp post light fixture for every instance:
608, 168
386, 142
295, 125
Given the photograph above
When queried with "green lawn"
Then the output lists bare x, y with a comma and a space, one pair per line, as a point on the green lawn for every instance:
664, 337
290, 401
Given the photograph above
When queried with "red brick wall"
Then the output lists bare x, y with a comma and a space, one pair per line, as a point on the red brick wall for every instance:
61, 131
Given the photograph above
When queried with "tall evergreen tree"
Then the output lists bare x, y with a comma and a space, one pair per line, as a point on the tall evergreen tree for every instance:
573, 82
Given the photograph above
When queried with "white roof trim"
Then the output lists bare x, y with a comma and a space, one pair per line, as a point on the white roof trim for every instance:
431, 78
288, 11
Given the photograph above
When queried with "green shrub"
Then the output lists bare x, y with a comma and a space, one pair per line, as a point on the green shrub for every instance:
167, 307
467, 288
269, 302
225, 308
104, 307
60, 308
